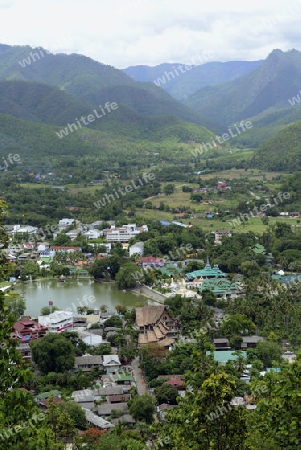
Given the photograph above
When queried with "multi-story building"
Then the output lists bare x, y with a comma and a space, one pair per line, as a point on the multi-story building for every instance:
57, 321
25, 330
124, 233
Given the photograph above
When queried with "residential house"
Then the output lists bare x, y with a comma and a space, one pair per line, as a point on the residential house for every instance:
221, 344
95, 421
251, 341
111, 364
126, 381
65, 223
65, 249
156, 326
84, 398
150, 261
25, 351
106, 409
119, 398
106, 392
125, 419
86, 363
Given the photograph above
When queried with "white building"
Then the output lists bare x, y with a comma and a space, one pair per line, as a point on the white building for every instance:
137, 248
219, 235
111, 364
93, 234
24, 229
124, 233
57, 321
66, 223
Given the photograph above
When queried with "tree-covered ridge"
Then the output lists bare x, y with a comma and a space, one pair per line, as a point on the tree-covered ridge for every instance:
84, 79
281, 152
180, 83
275, 81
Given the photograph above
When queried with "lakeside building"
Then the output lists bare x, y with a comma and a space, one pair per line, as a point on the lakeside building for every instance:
57, 321
26, 330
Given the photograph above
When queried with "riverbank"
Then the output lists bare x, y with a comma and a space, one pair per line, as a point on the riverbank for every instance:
149, 293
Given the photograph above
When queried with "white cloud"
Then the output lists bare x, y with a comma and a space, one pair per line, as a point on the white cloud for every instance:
130, 32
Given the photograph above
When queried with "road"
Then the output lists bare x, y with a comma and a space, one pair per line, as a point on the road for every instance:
138, 377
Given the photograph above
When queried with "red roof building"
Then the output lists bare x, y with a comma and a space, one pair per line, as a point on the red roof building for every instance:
25, 330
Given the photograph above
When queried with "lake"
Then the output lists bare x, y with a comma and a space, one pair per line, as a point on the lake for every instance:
73, 293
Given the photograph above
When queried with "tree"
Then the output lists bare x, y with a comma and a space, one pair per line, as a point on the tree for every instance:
249, 268
21, 422
169, 189
166, 394
121, 309
267, 352
143, 408
113, 321
125, 279
62, 239
53, 353
237, 324
16, 305
31, 268
205, 418
105, 267
45, 311
75, 412
277, 418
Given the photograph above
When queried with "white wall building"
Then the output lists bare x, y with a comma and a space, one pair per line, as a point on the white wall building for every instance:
57, 321
137, 248
124, 233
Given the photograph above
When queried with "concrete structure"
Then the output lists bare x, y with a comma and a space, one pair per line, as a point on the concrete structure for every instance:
124, 233
220, 234
57, 321
137, 248
65, 223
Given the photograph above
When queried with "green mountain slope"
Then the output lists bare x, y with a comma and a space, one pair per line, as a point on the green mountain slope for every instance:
181, 83
38, 102
271, 85
84, 79
282, 152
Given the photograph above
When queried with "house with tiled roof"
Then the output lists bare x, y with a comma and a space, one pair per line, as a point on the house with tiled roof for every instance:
26, 329
156, 325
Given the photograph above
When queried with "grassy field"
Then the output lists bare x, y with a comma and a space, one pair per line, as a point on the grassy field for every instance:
253, 224
251, 174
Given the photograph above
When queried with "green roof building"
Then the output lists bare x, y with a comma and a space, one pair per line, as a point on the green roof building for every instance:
223, 356
207, 272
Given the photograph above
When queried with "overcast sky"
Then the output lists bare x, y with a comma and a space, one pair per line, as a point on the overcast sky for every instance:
131, 32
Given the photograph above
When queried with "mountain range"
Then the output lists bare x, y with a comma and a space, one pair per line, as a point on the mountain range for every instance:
50, 91
181, 80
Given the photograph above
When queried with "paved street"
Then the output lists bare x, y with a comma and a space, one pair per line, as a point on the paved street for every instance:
138, 376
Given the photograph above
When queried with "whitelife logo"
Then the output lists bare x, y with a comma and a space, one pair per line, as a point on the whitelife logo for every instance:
90, 118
